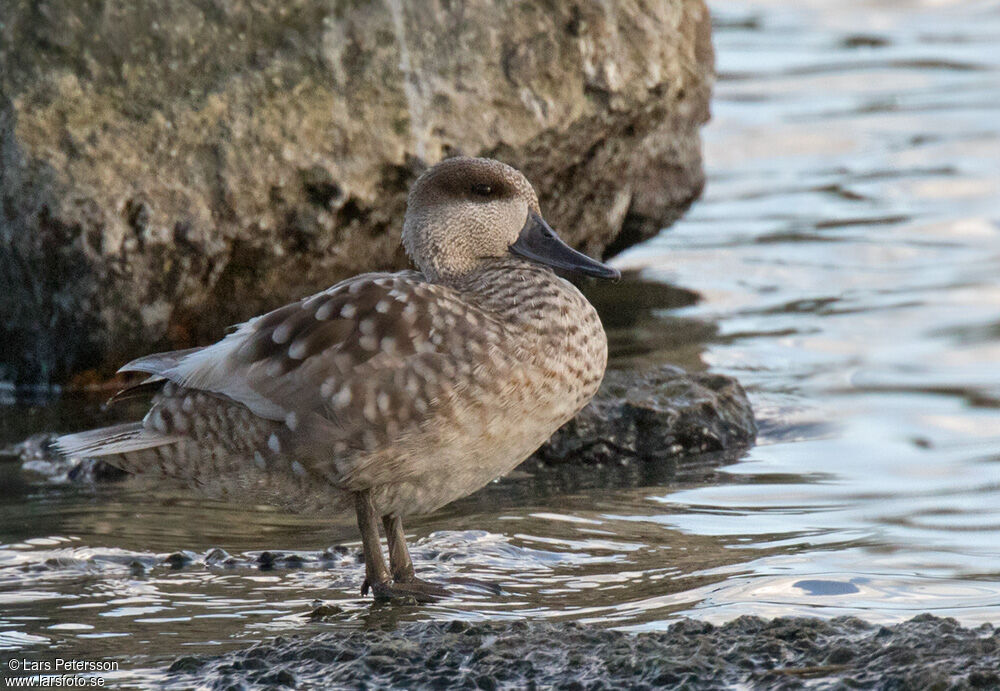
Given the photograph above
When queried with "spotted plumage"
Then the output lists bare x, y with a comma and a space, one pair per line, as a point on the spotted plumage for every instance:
386, 393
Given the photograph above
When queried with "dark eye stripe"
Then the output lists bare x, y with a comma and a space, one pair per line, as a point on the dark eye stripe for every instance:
482, 190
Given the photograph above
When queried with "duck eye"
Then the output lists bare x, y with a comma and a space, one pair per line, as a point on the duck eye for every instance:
482, 190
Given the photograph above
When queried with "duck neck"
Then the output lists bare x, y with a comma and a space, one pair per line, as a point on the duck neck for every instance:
521, 292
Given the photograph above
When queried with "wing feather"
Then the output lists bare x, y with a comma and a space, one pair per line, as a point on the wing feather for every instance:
293, 358
158, 362
346, 370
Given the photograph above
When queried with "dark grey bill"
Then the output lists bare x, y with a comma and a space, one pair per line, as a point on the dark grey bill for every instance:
539, 243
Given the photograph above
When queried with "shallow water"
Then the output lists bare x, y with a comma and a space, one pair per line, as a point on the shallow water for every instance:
846, 255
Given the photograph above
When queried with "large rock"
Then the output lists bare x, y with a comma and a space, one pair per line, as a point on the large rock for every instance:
171, 167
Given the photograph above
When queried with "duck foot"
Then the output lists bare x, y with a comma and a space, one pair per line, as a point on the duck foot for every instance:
476, 583
415, 589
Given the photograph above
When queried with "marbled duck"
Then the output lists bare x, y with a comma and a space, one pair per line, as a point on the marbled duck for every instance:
390, 394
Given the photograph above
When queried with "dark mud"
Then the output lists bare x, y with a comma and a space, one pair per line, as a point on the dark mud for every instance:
926, 652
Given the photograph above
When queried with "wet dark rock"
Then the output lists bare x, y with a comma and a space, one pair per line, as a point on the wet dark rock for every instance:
186, 665
33, 449
178, 560
655, 416
266, 560
293, 561
219, 556
785, 653
95, 470
325, 611
159, 159
37, 457
335, 553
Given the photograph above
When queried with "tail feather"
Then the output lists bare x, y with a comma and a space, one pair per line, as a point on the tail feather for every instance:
144, 388
106, 441
158, 362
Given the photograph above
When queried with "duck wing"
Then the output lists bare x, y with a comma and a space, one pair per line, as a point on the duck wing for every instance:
346, 370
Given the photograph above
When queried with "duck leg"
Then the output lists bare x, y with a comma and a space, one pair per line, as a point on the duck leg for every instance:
377, 576
400, 562
376, 572
402, 565
399, 554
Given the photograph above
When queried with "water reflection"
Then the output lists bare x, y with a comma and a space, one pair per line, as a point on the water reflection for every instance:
843, 264
848, 250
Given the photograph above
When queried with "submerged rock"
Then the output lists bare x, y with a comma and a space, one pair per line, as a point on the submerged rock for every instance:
749, 652
36, 455
168, 169
655, 416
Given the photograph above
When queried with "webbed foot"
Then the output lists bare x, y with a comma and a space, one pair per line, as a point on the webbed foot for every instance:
413, 589
476, 583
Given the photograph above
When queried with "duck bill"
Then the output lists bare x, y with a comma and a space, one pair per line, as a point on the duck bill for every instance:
539, 243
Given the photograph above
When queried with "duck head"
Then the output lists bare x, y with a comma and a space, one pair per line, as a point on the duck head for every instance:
464, 212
